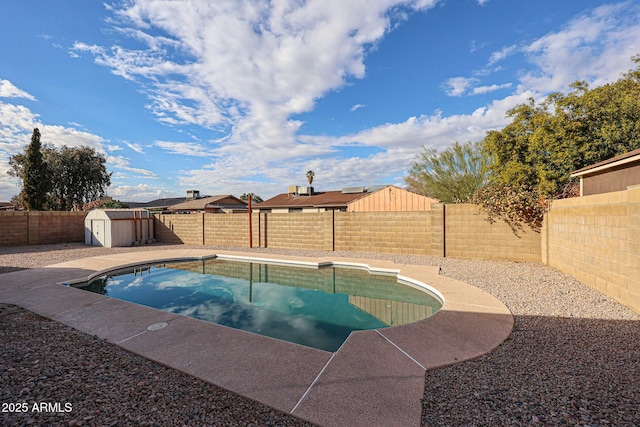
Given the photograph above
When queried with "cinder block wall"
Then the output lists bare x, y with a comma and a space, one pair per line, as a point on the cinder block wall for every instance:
468, 234
297, 230
14, 230
390, 232
175, 229
40, 228
230, 229
596, 239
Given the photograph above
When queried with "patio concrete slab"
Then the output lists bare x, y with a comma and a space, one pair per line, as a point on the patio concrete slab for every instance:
375, 378
112, 319
369, 382
450, 337
54, 299
38, 277
270, 371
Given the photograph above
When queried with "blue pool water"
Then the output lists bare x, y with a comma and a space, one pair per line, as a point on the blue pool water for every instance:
316, 307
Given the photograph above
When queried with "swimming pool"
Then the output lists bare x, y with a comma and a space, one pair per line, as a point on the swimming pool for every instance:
315, 307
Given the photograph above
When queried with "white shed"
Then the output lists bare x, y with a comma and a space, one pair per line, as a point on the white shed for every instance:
118, 227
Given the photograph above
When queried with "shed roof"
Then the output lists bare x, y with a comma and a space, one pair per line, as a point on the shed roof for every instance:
114, 213
629, 158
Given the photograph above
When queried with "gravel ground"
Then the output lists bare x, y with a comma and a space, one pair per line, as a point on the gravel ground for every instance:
572, 359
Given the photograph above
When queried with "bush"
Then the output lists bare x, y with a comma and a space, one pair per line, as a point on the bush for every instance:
517, 206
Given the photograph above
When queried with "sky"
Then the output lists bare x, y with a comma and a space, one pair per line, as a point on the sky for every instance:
246, 96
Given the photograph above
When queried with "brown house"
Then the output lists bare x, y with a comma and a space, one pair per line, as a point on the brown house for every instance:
353, 199
312, 202
615, 174
212, 204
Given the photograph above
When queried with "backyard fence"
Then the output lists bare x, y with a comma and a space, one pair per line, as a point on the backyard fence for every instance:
595, 238
452, 230
21, 228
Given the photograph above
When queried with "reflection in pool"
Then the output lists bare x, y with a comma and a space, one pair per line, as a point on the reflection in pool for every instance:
316, 307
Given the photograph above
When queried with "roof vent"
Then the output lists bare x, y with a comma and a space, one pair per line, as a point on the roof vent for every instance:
305, 190
353, 190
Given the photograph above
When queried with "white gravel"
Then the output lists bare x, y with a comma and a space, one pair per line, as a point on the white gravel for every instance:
572, 359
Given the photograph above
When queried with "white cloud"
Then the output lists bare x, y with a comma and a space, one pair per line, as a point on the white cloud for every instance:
121, 162
282, 57
435, 130
464, 86
140, 192
595, 47
184, 148
502, 54
16, 127
491, 88
8, 90
135, 147
458, 86
356, 107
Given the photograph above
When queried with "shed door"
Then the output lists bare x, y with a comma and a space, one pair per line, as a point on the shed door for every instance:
97, 232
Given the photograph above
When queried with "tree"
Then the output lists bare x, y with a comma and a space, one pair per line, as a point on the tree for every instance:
35, 177
545, 142
254, 197
533, 156
79, 175
310, 175
76, 175
114, 204
451, 176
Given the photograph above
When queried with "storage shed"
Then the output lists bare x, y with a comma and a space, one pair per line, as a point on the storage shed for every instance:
118, 227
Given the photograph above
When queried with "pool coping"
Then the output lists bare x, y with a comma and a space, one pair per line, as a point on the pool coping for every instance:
375, 378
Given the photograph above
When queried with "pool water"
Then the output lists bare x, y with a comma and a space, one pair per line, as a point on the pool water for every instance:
315, 307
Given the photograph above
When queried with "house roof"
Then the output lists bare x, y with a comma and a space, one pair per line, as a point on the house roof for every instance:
226, 200
623, 159
326, 199
157, 203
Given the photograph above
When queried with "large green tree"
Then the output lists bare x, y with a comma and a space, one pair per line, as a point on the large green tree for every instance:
35, 177
533, 156
545, 142
450, 176
76, 175
79, 175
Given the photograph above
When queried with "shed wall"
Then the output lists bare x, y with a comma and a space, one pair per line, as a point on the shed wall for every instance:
391, 199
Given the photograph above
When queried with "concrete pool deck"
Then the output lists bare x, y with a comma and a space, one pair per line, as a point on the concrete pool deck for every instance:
375, 378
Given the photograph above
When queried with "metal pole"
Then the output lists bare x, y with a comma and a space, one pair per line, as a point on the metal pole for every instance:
250, 224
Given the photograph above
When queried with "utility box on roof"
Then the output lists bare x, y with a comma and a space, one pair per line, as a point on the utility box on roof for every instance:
118, 227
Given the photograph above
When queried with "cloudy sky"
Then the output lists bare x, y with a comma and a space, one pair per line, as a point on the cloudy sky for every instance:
235, 96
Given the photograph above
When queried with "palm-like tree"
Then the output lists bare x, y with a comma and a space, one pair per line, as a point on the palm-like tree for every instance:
310, 175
